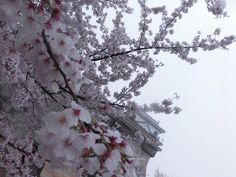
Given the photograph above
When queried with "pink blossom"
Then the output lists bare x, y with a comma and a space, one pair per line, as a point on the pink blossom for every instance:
79, 112
113, 160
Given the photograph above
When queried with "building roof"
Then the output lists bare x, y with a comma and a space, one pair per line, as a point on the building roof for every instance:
151, 121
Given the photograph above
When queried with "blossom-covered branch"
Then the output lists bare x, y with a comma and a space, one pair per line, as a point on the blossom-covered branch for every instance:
57, 60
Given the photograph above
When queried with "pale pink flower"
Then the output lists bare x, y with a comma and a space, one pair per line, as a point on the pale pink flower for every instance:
86, 140
65, 148
91, 165
113, 160
79, 112
45, 137
99, 149
60, 123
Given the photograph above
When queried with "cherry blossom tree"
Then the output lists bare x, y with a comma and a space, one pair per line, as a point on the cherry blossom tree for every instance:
58, 59
159, 174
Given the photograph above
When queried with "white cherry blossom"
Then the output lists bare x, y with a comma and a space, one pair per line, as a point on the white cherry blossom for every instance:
65, 148
113, 160
91, 165
79, 112
99, 149
59, 123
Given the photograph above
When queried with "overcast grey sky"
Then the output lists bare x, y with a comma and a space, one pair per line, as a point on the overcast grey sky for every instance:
200, 141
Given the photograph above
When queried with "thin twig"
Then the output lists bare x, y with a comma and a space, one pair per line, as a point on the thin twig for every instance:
14, 147
143, 48
32, 98
96, 53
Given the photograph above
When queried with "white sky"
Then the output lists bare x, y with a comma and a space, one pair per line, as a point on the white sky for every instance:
200, 141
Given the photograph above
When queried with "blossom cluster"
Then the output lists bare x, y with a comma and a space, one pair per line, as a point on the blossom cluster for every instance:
70, 138
71, 141
216, 7
50, 52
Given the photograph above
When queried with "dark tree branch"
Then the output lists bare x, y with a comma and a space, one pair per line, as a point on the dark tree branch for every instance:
120, 53
171, 21
47, 92
32, 98
49, 50
144, 48
35, 170
14, 147
141, 49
